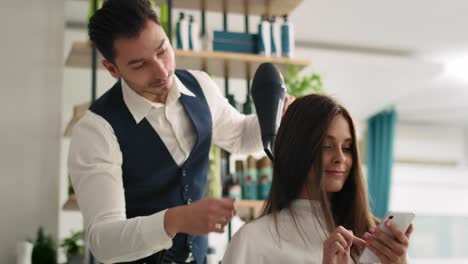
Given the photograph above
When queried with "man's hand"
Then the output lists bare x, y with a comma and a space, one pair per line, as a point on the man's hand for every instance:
200, 218
288, 99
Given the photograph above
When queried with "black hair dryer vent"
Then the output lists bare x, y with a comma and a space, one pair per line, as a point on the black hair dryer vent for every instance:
268, 91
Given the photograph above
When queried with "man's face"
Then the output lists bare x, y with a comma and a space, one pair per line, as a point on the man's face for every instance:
146, 62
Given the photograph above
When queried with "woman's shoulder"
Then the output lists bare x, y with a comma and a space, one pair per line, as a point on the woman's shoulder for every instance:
250, 242
257, 226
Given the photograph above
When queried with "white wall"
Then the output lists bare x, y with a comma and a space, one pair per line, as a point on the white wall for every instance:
76, 90
430, 190
465, 149
430, 143
432, 182
30, 83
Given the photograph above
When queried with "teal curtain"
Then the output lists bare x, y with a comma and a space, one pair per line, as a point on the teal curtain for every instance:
380, 141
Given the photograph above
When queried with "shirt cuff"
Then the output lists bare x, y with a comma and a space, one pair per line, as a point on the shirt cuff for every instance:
153, 232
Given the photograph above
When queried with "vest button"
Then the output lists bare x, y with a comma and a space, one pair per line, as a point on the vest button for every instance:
190, 246
189, 201
186, 187
184, 173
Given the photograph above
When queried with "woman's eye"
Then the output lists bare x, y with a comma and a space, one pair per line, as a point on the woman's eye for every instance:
347, 149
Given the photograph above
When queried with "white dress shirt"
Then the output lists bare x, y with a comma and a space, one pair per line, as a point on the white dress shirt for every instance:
95, 162
261, 242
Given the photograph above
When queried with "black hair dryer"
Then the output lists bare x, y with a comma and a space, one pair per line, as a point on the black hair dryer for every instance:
268, 91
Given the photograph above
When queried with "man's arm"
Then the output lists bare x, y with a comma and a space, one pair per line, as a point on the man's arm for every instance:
232, 131
95, 168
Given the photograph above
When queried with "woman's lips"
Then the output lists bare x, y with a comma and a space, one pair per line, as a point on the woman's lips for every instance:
335, 173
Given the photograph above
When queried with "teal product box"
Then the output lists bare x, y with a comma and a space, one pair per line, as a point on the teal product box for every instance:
235, 42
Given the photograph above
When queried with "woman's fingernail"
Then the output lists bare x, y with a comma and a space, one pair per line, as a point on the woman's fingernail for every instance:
372, 229
388, 223
367, 235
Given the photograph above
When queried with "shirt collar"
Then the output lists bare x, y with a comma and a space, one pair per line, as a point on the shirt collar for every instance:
140, 107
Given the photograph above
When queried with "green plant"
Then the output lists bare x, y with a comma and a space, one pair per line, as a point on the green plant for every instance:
44, 250
71, 191
298, 86
73, 245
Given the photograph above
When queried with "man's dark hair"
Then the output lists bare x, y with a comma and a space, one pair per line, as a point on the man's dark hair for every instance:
119, 18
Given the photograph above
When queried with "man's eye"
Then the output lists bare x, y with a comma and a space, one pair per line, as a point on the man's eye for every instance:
139, 66
162, 52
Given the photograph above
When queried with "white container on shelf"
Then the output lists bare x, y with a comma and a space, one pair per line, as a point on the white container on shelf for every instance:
275, 27
264, 38
194, 34
182, 32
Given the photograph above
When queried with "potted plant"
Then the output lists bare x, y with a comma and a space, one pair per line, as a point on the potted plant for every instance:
74, 248
44, 250
298, 86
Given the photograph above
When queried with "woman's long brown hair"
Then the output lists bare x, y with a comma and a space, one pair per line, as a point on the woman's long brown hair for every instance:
298, 150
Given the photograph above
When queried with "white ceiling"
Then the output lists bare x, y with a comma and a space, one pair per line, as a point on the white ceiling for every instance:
373, 54
428, 32
422, 26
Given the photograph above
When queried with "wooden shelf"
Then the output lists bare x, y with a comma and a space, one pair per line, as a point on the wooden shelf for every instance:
71, 204
220, 64
245, 7
249, 7
246, 209
233, 65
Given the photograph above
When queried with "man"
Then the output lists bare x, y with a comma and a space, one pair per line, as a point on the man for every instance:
138, 158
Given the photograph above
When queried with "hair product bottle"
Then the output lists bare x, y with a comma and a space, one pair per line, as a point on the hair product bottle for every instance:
264, 45
249, 182
264, 177
287, 38
182, 32
194, 35
275, 37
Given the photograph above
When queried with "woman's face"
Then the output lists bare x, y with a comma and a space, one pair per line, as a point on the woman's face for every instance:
337, 154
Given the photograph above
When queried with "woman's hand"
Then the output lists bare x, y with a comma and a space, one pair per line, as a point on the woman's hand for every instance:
337, 248
388, 249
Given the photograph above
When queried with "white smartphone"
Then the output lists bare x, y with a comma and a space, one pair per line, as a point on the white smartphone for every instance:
402, 220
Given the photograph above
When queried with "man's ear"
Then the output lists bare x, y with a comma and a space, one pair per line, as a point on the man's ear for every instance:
111, 68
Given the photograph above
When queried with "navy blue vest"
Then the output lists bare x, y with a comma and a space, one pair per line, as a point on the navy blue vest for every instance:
152, 179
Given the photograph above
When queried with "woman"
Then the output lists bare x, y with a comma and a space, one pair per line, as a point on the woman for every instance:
317, 209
